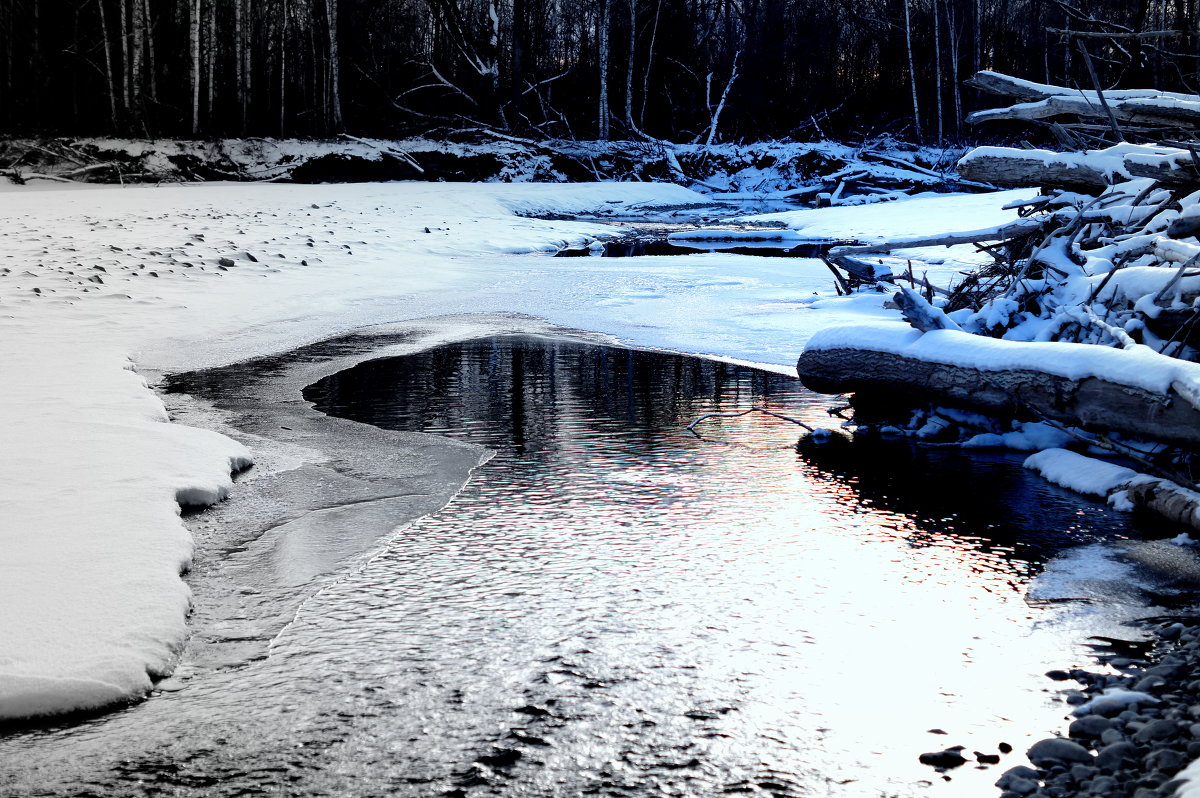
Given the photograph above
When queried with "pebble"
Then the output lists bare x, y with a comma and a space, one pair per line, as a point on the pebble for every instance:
1058, 749
1113, 757
1156, 730
1090, 726
1016, 778
1139, 748
1166, 759
950, 758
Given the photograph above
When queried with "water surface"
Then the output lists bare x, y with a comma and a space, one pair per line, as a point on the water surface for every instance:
613, 606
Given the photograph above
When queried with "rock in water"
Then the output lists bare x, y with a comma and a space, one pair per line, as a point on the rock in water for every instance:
950, 758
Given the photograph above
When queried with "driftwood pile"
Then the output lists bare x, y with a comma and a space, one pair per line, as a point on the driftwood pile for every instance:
1108, 254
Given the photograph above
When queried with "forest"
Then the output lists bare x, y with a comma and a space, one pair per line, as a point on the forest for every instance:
679, 70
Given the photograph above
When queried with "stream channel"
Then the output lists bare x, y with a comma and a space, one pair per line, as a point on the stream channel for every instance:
611, 605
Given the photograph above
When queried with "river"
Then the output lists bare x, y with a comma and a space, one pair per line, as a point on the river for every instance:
614, 606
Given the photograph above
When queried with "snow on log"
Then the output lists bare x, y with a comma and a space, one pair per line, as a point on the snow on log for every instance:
920, 313
1094, 387
1171, 501
1082, 474
1093, 169
1029, 91
1123, 487
1042, 101
1160, 111
1000, 232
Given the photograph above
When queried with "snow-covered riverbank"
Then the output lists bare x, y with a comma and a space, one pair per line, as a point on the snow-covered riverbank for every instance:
91, 604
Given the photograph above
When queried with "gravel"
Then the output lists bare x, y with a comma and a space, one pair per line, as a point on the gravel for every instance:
1122, 748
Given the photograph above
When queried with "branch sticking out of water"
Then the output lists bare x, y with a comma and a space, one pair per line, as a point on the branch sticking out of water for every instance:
692, 427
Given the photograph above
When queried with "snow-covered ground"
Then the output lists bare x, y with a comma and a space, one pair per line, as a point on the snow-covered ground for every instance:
96, 282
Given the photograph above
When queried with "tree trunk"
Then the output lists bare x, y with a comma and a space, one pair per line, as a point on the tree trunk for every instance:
283, 45
210, 66
125, 71
520, 46
649, 62
603, 57
151, 56
239, 63
247, 57
912, 72
137, 39
1090, 403
633, 14
108, 67
1086, 171
937, 69
194, 47
977, 63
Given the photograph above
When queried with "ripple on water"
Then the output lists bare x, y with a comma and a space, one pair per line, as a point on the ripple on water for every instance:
615, 607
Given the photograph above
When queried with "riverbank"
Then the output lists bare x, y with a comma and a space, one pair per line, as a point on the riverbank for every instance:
189, 277
176, 278
1136, 724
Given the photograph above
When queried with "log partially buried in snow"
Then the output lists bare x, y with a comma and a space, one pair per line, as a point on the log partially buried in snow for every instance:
1094, 169
1094, 387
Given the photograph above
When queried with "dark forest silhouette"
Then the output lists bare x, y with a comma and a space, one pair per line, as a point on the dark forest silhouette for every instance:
683, 70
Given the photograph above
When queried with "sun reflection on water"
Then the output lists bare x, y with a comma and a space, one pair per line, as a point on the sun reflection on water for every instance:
835, 602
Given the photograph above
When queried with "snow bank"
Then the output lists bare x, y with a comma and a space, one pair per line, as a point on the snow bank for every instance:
91, 604
92, 607
916, 218
1139, 367
1079, 473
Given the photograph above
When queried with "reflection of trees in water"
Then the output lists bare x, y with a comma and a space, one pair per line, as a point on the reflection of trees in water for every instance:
950, 493
528, 393
533, 397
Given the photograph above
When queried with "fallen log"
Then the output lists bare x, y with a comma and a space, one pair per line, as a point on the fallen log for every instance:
1087, 171
1151, 111
1039, 101
1029, 91
1003, 232
861, 270
1173, 502
1089, 403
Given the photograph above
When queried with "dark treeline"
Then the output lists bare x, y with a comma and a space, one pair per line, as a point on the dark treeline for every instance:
685, 70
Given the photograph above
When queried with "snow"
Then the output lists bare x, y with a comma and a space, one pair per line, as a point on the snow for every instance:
923, 217
1079, 473
91, 527
92, 607
1112, 699
1109, 161
1139, 367
1031, 436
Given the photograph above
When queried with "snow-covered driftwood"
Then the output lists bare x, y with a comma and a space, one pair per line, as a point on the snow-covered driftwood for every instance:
1038, 101
997, 233
1088, 171
1091, 387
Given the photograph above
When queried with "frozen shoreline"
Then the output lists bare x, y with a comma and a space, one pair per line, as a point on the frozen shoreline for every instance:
186, 277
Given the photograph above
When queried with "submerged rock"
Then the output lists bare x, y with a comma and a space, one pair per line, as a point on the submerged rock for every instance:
950, 758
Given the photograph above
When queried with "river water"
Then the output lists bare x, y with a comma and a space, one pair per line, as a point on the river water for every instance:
614, 606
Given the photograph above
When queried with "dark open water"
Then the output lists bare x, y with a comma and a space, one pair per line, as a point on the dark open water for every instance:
615, 607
